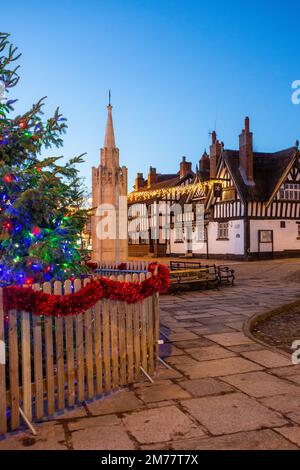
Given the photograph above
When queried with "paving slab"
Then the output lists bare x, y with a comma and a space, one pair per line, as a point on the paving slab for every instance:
265, 439
294, 416
218, 328
69, 414
268, 358
195, 343
93, 422
216, 368
161, 425
180, 336
160, 404
206, 387
210, 352
102, 438
282, 403
246, 347
161, 392
261, 384
164, 373
51, 436
230, 339
230, 413
168, 349
292, 433
294, 378
288, 371
117, 402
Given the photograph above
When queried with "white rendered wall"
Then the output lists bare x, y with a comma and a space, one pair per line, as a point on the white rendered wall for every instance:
177, 248
199, 247
284, 238
235, 243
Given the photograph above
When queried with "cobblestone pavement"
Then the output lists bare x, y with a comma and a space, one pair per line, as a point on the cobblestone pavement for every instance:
222, 391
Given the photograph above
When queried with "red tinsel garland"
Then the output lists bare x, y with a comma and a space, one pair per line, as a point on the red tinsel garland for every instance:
50, 305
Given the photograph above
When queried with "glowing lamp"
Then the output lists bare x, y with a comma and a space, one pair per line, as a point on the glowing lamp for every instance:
8, 225
8, 178
36, 231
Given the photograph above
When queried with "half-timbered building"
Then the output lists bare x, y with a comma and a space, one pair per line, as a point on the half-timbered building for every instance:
257, 213
146, 205
251, 203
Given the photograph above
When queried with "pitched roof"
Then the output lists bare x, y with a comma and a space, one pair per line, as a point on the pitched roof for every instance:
268, 169
165, 181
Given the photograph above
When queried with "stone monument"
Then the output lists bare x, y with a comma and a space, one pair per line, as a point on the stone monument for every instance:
109, 201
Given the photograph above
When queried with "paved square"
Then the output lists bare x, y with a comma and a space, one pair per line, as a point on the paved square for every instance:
215, 368
223, 390
265, 439
231, 413
268, 358
206, 387
210, 352
160, 392
230, 339
261, 384
102, 438
161, 425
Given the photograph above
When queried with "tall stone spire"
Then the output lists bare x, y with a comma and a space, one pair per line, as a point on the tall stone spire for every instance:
109, 141
109, 195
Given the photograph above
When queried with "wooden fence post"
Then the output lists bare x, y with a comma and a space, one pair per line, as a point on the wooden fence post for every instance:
143, 314
156, 328
89, 350
98, 346
151, 339
79, 348
38, 363
114, 342
106, 346
26, 365
121, 334
129, 337
69, 324
136, 334
59, 346
48, 325
3, 424
14, 369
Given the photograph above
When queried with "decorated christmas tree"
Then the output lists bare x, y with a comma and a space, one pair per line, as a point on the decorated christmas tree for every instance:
40, 199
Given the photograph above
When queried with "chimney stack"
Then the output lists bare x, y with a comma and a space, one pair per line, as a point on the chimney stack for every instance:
152, 177
185, 167
139, 181
246, 153
215, 155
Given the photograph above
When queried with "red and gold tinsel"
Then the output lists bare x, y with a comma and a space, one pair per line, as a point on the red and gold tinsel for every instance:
50, 305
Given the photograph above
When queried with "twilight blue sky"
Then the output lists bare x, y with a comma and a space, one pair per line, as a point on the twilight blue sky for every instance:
176, 69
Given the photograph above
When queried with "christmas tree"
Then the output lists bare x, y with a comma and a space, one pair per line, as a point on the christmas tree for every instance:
40, 199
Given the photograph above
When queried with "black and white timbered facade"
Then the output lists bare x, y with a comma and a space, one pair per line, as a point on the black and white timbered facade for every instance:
261, 218
251, 202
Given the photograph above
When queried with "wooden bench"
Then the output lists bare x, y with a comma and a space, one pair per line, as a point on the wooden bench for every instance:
180, 265
222, 273
186, 278
226, 275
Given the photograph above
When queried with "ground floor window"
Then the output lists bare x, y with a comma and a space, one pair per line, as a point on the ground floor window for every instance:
223, 228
